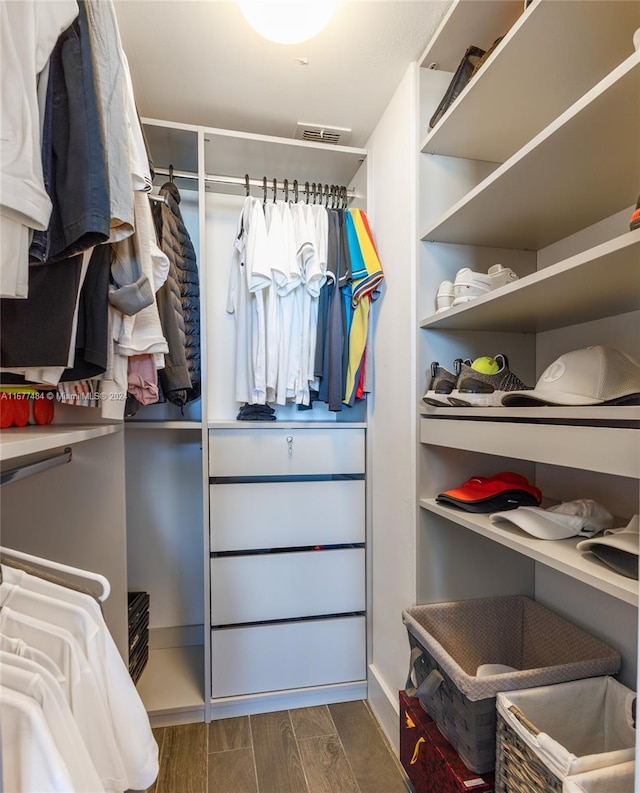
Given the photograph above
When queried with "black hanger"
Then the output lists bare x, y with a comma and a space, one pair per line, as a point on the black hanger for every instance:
345, 202
171, 174
247, 186
275, 190
326, 194
295, 190
306, 190
315, 191
264, 188
286, 190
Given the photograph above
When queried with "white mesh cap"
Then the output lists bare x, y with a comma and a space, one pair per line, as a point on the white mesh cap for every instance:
582, 517
588, 376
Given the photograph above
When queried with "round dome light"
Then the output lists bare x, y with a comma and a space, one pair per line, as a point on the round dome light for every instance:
287, 21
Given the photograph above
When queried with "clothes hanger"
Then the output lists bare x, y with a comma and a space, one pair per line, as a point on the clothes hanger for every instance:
62, 568
171, 174
306, 190
315, 192
326, 194
264, 188
286, 191
275, 190
247, 186
295, 190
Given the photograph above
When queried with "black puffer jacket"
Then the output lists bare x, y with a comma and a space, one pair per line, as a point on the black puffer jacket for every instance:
178, 301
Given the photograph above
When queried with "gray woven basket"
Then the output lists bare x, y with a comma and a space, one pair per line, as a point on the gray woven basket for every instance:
450, 641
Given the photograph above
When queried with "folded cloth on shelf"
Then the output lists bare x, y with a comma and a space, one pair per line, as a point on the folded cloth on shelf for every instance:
582, 516
502, 491
256, 413
596, 375
617, 548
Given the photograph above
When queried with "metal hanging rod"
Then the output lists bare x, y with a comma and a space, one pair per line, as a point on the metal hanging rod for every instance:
240, 181
24, 471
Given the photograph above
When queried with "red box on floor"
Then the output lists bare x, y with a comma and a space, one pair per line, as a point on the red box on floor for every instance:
429, 760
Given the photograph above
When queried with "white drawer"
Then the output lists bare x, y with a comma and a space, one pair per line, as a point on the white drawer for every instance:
282, 452
259, 658
254, 515
275, 586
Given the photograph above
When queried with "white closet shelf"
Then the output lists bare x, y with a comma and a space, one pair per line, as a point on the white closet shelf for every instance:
591, 414
479, 23
560, 555
162, 425
19, 441
172, 144
608, 450
554, 186
279, 425
517, 77
236, 153
172, 681
565, 293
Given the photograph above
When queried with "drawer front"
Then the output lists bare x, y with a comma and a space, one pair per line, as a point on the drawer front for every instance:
276, 586
284, 452
260, 658
250, 516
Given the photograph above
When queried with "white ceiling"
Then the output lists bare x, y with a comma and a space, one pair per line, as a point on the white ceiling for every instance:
199, 62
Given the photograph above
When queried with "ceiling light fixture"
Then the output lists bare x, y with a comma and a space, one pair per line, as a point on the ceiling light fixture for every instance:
287, 21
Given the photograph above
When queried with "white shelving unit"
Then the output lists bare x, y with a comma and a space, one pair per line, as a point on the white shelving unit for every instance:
563, 136
188, 660
560, 555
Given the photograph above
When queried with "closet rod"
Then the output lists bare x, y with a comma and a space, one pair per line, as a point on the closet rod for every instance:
62, 568
24, 471
240, 181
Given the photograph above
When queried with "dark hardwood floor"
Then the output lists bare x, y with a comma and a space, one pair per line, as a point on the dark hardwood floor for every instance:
327, 749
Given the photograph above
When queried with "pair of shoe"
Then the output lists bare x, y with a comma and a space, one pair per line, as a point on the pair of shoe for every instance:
469, 285
478, 383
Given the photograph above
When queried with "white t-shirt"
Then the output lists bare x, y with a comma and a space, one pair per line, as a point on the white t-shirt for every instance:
20, 675
134, 738
250, 276
82, 691
30, 759
23, 650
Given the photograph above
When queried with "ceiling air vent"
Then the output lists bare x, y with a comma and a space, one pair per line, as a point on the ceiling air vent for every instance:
320, 133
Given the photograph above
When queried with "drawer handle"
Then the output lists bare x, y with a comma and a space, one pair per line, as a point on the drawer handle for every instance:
290, 445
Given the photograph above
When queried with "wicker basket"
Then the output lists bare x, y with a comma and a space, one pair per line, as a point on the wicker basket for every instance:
450, 641
520, 768
546, 735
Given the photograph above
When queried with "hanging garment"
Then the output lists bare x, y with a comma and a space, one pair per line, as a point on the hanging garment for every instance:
366, 279
25, 677
81, 689
250, 276
178, 301
30, 758
73, 149
28, 34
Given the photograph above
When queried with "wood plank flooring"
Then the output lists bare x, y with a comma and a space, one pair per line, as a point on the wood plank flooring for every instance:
326, 749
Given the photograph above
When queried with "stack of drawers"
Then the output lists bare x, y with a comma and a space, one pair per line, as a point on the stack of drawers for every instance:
287, 528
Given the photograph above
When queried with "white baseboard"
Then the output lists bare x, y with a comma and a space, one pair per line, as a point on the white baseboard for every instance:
385, 706
246, 705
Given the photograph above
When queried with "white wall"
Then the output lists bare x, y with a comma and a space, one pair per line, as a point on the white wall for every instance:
391, 452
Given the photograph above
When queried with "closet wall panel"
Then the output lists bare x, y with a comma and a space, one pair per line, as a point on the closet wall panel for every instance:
75, 514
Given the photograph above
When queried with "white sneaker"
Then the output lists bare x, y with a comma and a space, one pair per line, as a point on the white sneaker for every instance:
444, 296
469, 285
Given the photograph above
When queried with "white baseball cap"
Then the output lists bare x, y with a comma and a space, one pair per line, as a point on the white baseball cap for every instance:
589, 376
617, 548
582, 516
